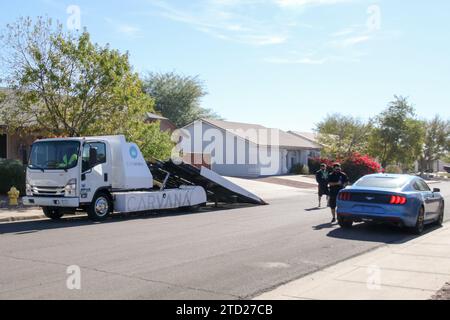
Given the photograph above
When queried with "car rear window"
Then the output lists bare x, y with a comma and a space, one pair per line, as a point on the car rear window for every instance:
381, 182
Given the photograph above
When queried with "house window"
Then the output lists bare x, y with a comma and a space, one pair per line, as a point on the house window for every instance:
3, 146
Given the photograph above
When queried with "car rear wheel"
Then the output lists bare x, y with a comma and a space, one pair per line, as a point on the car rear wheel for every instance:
53, 213
440, 220
345, 223
101, 207
420, 224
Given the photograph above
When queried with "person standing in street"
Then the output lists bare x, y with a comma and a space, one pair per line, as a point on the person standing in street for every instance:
322, 180
337, 181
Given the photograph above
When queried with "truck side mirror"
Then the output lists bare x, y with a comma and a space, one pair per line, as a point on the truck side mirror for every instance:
92, 157
436, 190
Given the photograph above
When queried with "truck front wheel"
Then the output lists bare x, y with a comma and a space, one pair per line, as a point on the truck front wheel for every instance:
53, 213
101, 207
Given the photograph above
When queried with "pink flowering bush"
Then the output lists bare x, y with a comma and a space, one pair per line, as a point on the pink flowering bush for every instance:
355, 166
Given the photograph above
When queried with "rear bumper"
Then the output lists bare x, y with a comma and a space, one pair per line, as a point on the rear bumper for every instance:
376, 218
405, 215
51, 202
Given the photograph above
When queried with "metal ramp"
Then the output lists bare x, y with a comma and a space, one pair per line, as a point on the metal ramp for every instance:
218, 188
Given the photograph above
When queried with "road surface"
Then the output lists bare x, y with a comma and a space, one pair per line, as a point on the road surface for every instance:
231, 253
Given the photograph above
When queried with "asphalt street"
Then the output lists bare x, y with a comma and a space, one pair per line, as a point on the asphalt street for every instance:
227, 253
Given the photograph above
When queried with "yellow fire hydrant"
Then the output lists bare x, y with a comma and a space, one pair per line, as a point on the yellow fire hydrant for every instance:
13, 195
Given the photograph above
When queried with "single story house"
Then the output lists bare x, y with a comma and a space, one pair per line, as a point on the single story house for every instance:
17, 145
435, 166
14, 145
246, 150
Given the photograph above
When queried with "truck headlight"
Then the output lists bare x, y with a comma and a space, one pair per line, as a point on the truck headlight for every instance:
28, 189
70, 189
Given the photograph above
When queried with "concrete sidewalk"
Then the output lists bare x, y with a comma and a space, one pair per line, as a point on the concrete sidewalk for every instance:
20, 214
414, 270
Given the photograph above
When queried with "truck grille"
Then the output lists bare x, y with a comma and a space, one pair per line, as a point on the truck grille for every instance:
48, 191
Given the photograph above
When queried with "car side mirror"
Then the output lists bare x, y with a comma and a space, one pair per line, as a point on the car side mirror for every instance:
436, 190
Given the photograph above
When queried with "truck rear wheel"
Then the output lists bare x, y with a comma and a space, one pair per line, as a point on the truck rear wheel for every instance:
52, 213
101, 207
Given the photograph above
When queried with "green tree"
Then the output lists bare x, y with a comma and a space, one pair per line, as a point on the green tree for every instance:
437, 142
62, 84
343, 135
177, 97
397, 136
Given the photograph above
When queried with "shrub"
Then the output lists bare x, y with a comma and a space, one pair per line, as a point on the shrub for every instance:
357, 166
12, 173
393, 169
299, 169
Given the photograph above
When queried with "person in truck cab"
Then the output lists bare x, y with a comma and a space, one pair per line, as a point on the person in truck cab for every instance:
68, 163
69, 159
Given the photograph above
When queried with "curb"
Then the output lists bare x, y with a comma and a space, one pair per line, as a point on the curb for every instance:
31, 217
22, 218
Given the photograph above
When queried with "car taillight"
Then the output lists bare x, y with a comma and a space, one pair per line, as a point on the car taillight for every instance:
398, 200
345, 196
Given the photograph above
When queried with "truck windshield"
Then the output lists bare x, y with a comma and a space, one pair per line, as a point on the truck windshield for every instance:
51, 155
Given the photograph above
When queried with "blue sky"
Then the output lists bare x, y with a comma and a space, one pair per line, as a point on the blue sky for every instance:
279, 63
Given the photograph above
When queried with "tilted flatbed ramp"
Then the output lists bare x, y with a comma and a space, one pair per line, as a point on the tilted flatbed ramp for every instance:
218, 188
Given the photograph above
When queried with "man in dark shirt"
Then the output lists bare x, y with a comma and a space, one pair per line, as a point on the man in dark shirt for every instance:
337, 181
322, 180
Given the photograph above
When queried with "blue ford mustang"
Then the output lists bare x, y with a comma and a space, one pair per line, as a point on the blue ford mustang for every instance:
404, 200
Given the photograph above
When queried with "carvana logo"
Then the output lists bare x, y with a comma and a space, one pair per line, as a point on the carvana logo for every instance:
133, 152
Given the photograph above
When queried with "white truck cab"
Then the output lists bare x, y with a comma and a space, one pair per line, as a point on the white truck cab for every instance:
99, 175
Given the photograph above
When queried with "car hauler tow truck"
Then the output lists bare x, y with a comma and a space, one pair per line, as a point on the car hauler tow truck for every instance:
107, 174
